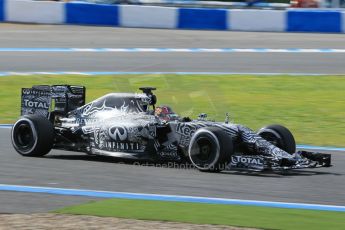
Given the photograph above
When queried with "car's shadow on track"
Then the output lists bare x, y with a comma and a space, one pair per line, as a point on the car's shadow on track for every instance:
188, 166
103, 159
282, 174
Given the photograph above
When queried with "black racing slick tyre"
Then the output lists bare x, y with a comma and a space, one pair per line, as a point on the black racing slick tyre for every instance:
279, 136
210, 149
33, 135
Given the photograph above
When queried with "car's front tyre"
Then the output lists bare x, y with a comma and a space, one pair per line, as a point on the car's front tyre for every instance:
210, 149
32, 135
279, 136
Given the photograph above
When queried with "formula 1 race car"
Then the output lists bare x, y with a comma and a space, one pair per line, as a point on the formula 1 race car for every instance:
129, 125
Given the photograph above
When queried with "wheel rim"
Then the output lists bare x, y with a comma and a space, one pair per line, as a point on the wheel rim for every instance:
203, 151
205, 148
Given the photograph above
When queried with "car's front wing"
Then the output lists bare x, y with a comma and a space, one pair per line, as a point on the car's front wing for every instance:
301, 159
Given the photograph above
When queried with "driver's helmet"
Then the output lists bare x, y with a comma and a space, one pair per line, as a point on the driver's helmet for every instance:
165, 113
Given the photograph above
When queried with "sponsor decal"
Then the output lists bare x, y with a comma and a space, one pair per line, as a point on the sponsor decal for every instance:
246, 160
170, 154
169, 151
118, 133
185, 129
36, 104
122, 146
34, 92
117, 143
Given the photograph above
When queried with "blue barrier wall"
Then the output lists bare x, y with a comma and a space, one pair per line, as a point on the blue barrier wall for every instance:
92, 14
214, 19
2, 10
297, 20
314, 21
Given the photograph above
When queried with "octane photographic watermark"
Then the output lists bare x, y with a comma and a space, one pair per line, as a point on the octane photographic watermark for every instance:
177, 165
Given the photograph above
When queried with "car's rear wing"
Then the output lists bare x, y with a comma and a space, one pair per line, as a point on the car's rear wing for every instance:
43, 99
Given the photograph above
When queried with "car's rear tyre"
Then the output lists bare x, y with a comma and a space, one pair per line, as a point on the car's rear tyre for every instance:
279, 136
210, 149
33, 135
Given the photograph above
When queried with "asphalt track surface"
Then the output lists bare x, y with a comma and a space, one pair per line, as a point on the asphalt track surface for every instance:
78, 171
73, 170
49, 36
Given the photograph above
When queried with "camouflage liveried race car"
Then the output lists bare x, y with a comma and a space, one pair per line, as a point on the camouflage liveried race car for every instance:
129, 125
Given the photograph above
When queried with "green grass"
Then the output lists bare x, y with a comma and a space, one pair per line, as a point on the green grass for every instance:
233, 215
313, 107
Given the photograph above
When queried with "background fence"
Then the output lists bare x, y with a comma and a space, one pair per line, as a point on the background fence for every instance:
291, 20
